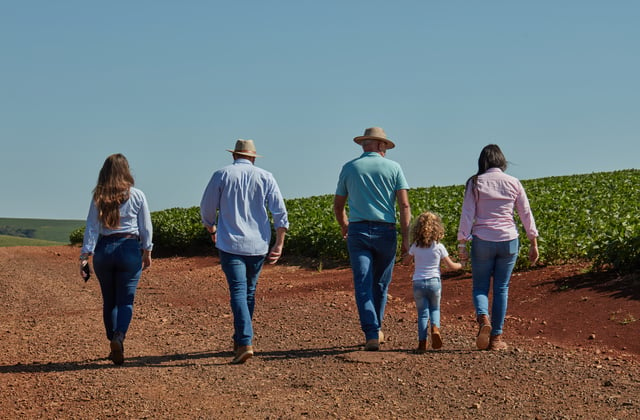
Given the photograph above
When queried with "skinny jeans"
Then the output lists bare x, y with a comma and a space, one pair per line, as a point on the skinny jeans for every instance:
117, 263
426, 293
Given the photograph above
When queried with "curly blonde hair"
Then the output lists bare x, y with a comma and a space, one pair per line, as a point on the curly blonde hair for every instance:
427, 229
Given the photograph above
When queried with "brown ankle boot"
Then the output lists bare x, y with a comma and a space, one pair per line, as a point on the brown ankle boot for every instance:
436, 339
496, 343
243, 353
482, 340
422, 347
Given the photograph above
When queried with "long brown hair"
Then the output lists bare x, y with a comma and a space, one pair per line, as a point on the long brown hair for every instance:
114, 182
427, 229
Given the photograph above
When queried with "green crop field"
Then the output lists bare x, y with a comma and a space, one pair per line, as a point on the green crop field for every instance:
42, 229
593, 217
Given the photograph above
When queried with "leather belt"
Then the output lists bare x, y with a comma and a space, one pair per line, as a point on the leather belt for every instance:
123, 235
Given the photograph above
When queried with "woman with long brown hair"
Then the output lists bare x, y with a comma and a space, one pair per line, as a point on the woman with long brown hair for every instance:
118, 235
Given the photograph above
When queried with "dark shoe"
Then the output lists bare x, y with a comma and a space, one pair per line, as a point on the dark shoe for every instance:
497, 344
117, 348
436, 340
372, 344
422, 347
482, 340
243, 353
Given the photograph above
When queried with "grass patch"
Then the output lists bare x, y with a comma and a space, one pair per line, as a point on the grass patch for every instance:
6, 241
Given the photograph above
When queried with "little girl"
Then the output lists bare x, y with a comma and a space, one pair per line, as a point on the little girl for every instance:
427, 253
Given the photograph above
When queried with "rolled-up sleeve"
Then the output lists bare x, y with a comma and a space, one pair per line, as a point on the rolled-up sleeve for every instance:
525, 214
91, 230
276, 206
145, 227
210, 201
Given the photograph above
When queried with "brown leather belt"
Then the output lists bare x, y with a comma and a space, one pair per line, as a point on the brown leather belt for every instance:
123, 235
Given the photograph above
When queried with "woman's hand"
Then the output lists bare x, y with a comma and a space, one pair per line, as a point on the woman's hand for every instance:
533, 251
463, 253
85, 270
533, 254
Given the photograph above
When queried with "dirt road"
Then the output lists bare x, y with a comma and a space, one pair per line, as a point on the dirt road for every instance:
575, 347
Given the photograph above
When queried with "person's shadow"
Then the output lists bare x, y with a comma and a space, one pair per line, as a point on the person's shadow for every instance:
171, 360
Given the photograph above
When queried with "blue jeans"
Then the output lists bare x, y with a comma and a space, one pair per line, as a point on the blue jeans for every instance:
242, 273
117, 263
372, 252
492, 259
426, 293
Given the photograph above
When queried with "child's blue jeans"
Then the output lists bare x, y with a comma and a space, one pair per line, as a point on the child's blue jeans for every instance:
426, 293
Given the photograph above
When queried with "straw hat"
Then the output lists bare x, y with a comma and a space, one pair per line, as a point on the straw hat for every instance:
245, 148
375, 133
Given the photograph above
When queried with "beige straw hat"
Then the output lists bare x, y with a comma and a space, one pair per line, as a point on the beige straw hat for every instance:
375, 133
245, 148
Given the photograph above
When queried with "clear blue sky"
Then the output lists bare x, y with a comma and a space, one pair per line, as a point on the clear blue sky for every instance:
173, 84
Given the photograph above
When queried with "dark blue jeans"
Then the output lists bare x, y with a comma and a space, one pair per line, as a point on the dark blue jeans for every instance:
372, 252
117, 263
242, 273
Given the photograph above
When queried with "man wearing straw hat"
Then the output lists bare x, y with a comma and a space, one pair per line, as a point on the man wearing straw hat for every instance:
235, 209
372, 185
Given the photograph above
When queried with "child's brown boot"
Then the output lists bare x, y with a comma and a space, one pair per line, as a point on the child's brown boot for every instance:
436, 340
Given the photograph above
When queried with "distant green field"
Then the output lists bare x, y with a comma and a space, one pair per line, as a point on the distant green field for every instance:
6, 240
40, 229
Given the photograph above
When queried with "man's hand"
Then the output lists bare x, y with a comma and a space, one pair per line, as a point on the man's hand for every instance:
274, 255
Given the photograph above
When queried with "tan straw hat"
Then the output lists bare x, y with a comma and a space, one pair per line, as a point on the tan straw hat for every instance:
375, 133
245, 148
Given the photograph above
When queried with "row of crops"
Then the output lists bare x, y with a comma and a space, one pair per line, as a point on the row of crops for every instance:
592, 216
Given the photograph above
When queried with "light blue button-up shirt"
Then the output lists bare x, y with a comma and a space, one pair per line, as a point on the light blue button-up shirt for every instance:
236, 200
135, 219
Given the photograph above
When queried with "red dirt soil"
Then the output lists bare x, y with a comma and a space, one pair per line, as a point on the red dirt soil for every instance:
574, 340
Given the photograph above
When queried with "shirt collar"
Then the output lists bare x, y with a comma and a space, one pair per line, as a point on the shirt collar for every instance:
371, 154
241, 160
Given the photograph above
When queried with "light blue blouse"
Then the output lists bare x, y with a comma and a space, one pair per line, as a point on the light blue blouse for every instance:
135, 219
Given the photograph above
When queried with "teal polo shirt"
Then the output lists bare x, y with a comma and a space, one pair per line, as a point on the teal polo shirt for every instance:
370, 182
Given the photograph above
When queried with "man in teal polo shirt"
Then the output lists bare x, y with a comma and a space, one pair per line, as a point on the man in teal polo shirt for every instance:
372, 185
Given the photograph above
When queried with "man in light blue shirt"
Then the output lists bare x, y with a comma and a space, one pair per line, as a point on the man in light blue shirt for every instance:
372, 185
235, 210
